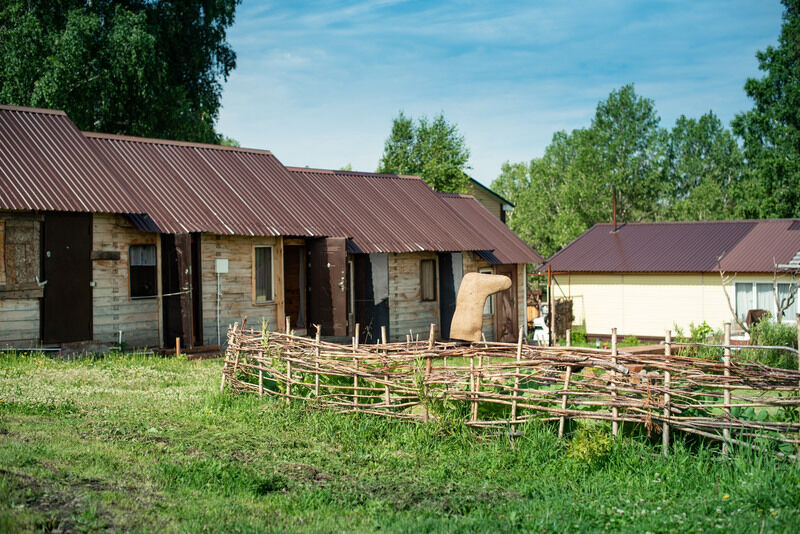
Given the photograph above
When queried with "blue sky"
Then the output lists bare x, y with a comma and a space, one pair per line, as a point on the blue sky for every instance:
318, 83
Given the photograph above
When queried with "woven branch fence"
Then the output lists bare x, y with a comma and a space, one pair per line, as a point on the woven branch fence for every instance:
492, 384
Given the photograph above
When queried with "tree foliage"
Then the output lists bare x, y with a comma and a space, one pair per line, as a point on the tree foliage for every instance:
432, 149
658, 174
771, 130
137, 67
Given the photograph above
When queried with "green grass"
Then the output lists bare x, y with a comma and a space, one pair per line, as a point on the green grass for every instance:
134, 443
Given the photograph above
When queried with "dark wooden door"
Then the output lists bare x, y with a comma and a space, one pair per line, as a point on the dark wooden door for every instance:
294, 281
506, 308
171, 288
447, 291
67, 268
327, 278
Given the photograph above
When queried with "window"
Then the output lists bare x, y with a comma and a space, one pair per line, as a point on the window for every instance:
488, 306
428, 279
142, 260
759, 295
262, 274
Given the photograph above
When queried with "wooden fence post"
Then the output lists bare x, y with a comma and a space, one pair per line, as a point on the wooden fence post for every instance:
515, 394
316, 360
387, 398
614, 410
667, 400
355, 368
797, 325
473, 416
726, 392
563, 419
569, 337
431, 340
288, 325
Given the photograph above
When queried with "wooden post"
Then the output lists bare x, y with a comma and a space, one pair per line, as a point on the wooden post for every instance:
316, 360
516, 379
431, 340
726, 392
355, 368
473, 415
387, 398
288, 325
797, 325
569, 337
665, 428
563, 419
614, 409
260, 381
288, 381
177, 347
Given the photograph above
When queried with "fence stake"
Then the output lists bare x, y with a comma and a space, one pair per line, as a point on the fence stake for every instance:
387, 398
474, 407
563, 419
726, 392
614, 410
316, 360
355, 368
261, 377
288, 381
797, 325
288, 324
431, 339
667, 400
515, 395
569, 337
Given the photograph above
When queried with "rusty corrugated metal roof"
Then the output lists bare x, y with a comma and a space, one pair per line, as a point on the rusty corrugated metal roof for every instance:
193, 187
389, 213
745, 246
46, 164
507, 247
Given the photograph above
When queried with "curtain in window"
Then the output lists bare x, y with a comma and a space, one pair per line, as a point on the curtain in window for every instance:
143, 255
765, 300
790, 313
263, 274
744, 300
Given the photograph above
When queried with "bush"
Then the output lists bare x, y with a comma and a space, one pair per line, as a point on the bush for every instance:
767, 332
579, 336
631, 341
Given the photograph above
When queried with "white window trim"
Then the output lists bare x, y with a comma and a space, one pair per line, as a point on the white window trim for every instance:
773, 306
271, 298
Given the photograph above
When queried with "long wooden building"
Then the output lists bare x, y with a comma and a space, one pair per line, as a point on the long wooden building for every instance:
105, 237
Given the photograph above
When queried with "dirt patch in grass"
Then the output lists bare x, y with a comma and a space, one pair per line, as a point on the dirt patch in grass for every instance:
306, 473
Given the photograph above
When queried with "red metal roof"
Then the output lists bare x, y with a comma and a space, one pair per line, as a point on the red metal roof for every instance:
507, 246
193, 187
389, 213
46, 164
746, 246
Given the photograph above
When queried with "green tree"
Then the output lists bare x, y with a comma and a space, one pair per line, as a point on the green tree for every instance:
137, 67
703, 172
771, 130
432, 149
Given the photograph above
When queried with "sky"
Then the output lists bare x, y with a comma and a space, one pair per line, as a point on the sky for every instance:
318, 83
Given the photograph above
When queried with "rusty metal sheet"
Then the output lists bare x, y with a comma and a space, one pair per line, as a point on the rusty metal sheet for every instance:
46, 164
746, 246
507, 247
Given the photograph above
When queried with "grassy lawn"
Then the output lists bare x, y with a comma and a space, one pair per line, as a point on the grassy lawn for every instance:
149, 444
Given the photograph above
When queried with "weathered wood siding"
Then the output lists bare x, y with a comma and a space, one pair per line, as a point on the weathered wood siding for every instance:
112, 307
19, 266
236, 287
407, 311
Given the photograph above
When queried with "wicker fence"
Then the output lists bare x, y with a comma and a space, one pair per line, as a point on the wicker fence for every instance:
499, 384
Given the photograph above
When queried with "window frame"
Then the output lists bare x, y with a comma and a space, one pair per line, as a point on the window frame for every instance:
490, 298
422, 280
153, 266
254, 270
773, 307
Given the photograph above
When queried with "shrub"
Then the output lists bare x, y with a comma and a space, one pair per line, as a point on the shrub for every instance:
590, 445
631, 341
579, 336
767, 332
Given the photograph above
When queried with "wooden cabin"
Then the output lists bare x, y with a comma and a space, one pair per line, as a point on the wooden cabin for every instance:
106, 238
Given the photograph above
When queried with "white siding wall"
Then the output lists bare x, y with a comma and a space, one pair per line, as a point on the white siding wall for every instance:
648, 304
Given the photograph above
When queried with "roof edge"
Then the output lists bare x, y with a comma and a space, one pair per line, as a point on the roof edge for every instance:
292, 168
492, 192
27, 109
156, 141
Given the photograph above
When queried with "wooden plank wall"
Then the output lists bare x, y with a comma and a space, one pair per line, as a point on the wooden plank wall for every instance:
406, 309
236, 292
19, 265
112, 308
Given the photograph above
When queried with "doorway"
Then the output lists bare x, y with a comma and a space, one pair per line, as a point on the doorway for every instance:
66, 312
506, 309
181, 289
295, 289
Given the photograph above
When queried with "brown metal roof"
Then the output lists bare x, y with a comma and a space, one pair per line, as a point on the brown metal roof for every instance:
193, 187
46, 164
507, 247
389, 213
746, 246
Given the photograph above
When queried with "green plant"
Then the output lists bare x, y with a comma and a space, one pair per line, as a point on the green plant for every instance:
590, 445
631, 341
579, 336
767, 332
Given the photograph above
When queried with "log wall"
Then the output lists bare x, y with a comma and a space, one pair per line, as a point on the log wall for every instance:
112, 308
236, 287
407, 311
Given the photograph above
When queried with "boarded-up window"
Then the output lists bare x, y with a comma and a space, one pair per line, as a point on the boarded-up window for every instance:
488, 306
142, 260
428, 279
262, 268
